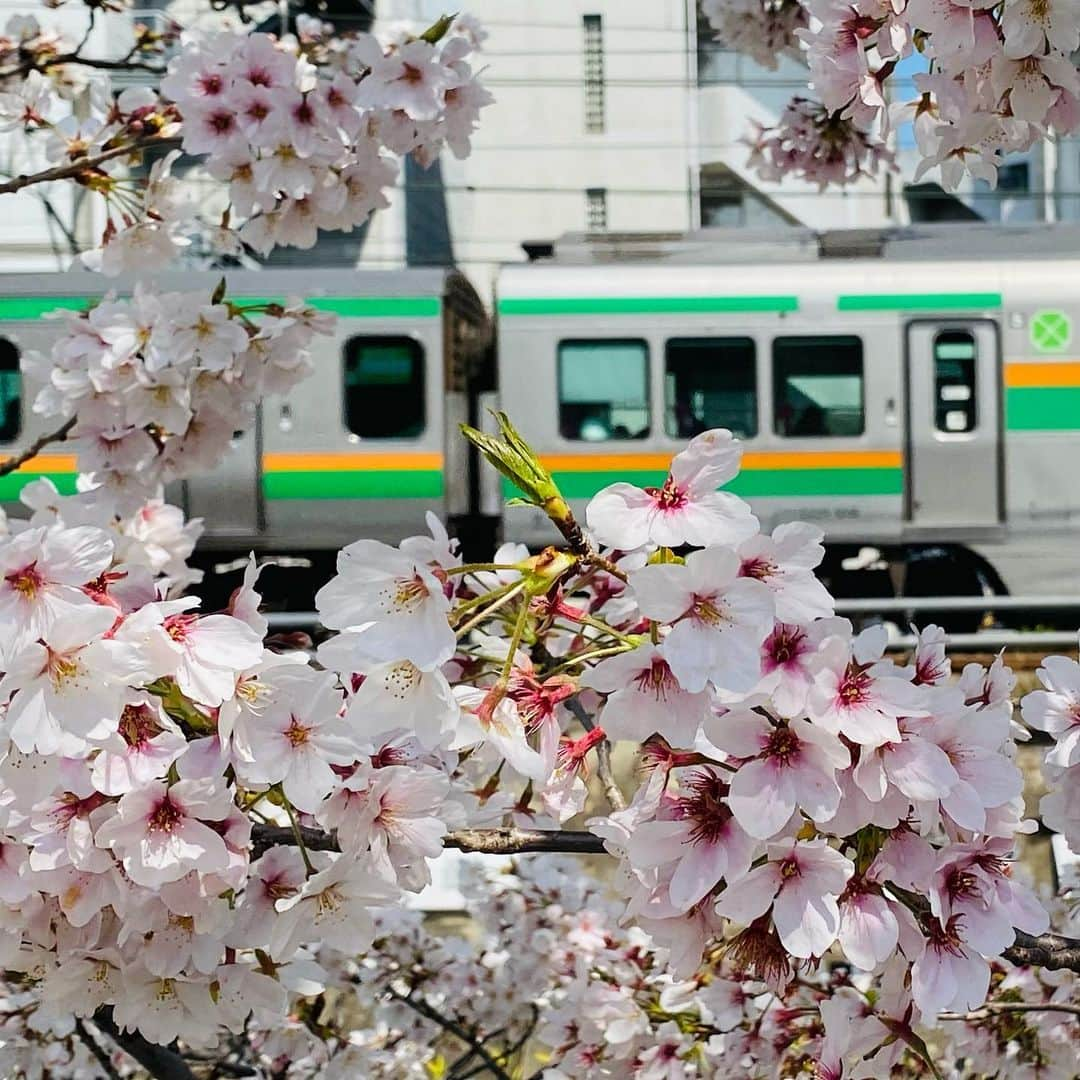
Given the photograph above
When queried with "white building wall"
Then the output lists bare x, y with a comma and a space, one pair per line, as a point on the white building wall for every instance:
533, 159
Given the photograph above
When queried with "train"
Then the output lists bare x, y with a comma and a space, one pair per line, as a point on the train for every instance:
915, 392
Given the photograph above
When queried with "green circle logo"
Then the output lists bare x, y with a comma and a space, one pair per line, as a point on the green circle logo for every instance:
1051, 331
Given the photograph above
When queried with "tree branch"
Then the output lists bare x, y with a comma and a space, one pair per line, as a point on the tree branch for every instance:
1055, 952
39, 444
510, 841
418, 1005
993, 1008
159, 1061
95, 1048
83, 164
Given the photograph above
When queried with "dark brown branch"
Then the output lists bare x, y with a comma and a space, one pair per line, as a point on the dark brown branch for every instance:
422, 1008
159, 1061
96, 1049
84, 164
514, 841
510, 841
39, 444
1055, 952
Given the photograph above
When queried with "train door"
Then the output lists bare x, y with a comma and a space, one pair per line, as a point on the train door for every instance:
227, 496
953, 424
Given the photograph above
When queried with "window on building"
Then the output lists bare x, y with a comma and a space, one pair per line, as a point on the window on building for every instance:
710, 383
596, 209
593, 52
954, 382
384, 387
603, 390
818, 386
10, 392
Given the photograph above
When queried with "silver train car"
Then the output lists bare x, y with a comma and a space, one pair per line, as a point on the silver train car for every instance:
367, 446
917, 394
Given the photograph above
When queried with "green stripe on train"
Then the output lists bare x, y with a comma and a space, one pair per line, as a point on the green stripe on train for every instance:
645, 305
919, 301
1042, 408
760, 483
33, 307
353, 307
354, 484
12, 484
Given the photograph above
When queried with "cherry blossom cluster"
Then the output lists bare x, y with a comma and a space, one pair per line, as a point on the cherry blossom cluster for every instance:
1000, 78
1056, 711
300, 147
161, 382
761, 29
198, 832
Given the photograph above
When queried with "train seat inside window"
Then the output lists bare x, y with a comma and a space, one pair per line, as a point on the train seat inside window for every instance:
10, 392
818, 386
710, 383
384, 387
603, 390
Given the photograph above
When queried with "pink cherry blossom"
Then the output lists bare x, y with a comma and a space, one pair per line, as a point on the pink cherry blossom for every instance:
159, 831
720, 619
782, 767
800, 882
686, 509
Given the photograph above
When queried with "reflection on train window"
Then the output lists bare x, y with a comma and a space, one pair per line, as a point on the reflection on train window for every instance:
603, 390
10, 392
384, 387
818, 386
710, 383
954, 382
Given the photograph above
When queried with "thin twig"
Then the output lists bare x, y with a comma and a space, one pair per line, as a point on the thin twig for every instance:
612, 791
96, 1049
83, 164
992, 1008
39, 444
159, 1061
418, 1005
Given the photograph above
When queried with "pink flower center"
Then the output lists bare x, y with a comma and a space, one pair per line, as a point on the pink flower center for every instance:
257, 110
760, 568
258, 76
297, 733
789, 868
221, 122
211, 85
166, 817
705, 609
668, 497
304, 113
657, 680
854, 688
27, 581
782, 745
785, 644
704, 805
178, 627
411, 75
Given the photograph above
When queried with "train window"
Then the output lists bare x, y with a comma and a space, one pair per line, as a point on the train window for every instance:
10, 392
384, 387
818, 386
954, 382
710, 383
603, 390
